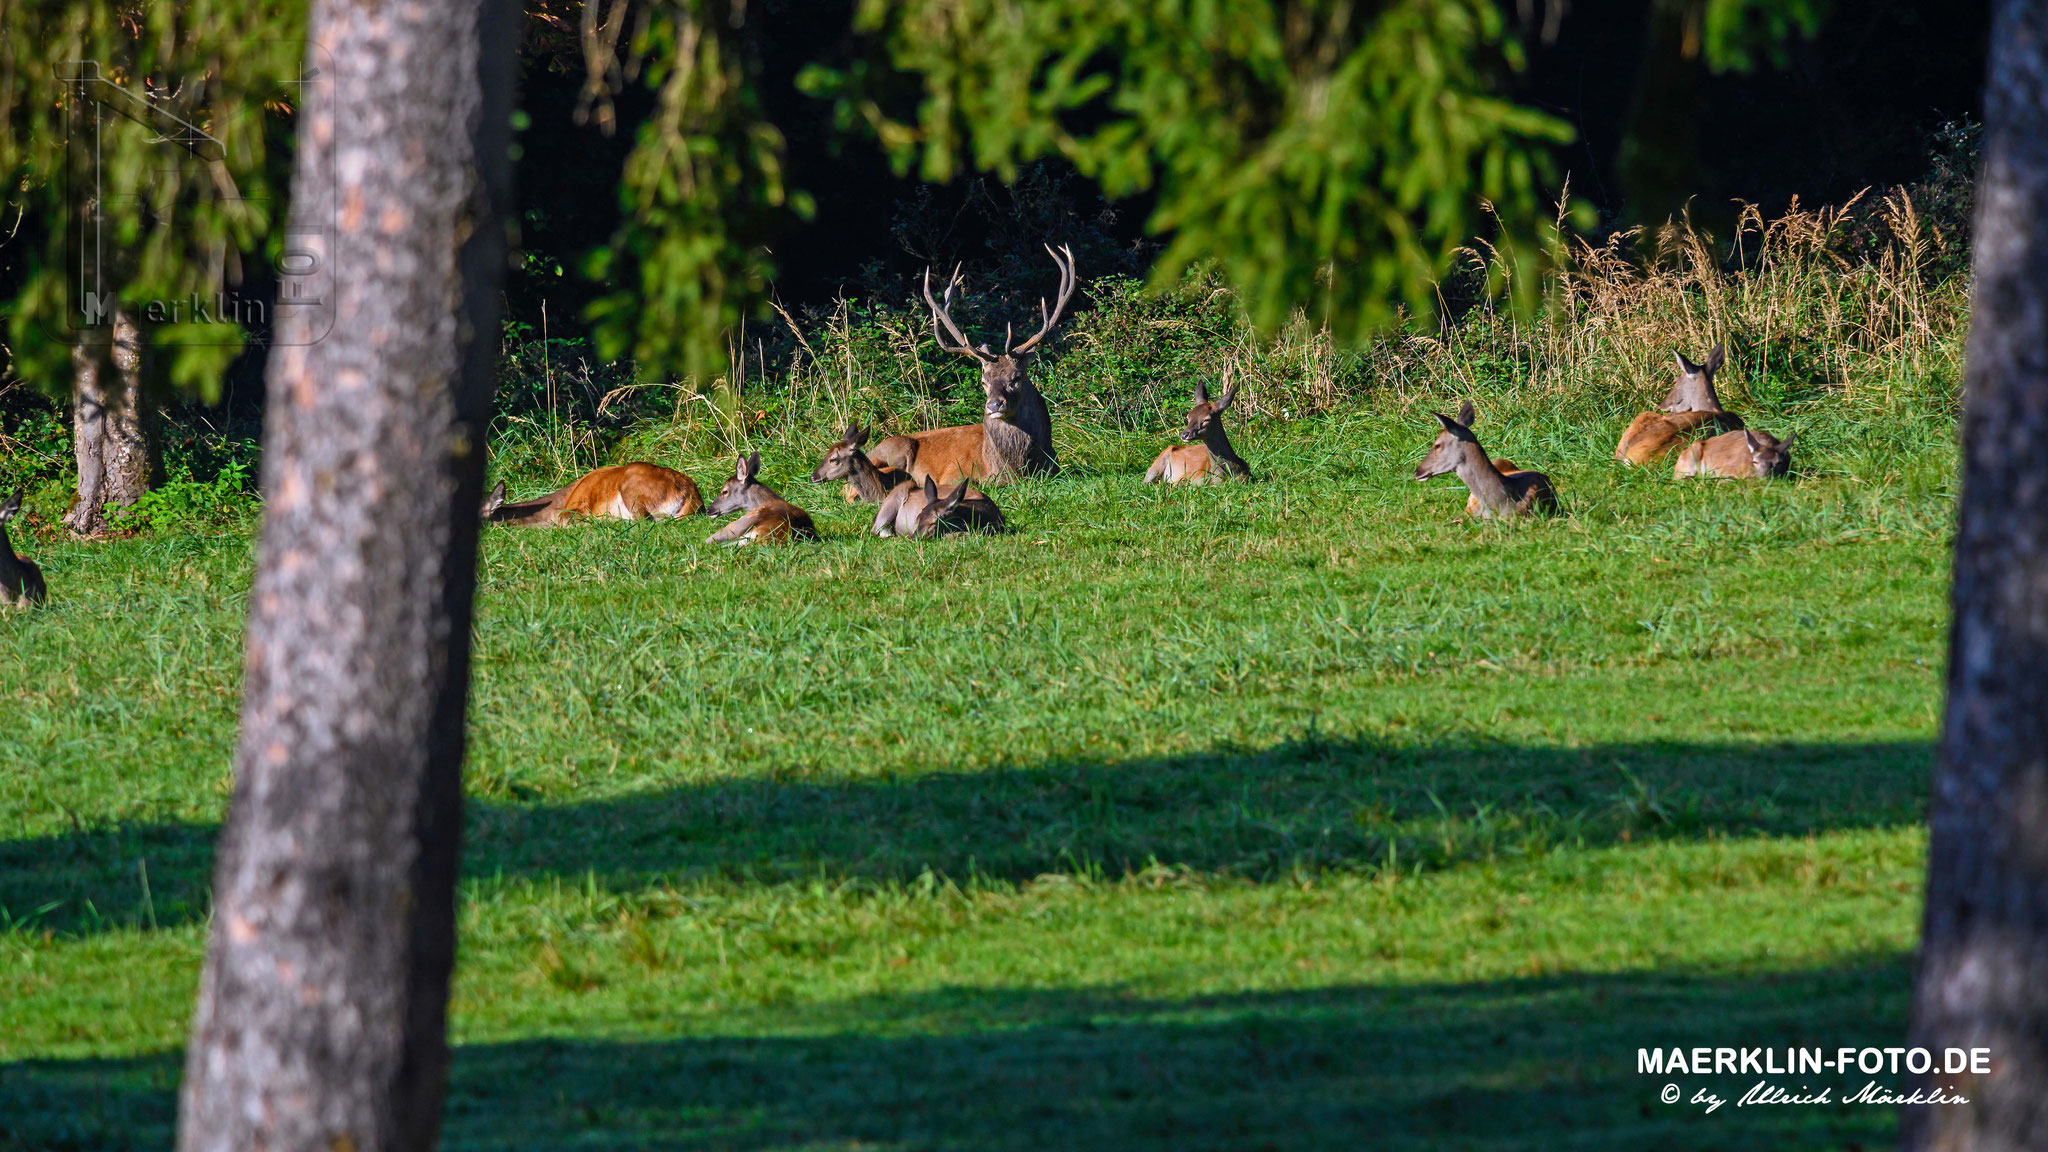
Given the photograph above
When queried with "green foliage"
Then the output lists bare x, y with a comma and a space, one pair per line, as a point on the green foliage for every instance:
184, 504
704, 171
1738, 34
1330, 153
170, 214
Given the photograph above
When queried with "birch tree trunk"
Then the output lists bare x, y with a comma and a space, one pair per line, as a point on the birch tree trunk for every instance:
112, 427
322, 1003
1983, 978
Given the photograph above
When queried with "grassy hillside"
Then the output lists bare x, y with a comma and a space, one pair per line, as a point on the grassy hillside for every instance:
1297, 814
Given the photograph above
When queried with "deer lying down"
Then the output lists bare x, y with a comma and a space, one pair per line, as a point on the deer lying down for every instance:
769, 518
634, 491
866, 481
1495, 494
956, 512
21, 582
1014, 437
1743, 455
1212, 460
899, 513
1690, 410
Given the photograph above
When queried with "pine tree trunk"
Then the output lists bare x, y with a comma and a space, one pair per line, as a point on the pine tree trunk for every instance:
1983, 979
112, 427
321, 1021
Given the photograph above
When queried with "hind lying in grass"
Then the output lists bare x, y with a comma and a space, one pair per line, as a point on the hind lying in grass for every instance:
1690, 410
636, 491
1496, 493
768, 519
21, 581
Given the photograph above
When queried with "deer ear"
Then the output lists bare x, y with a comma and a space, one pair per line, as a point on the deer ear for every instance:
851, 435
1229, 394
12, 506
1201, 392
931, 489
1749, 438
1449, 424
1786, 441
1686, 367
1716, 358
1466, 414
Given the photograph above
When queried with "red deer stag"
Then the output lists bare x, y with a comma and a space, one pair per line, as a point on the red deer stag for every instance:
621, 492
1014, 437
1205, 455
1743, 455
866, 481
1495, 494
769, 518
21, 582
1691, 409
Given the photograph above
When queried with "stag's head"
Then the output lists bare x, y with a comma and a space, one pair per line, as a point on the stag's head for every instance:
1767, 456
1207, 415
838, 461
1451, 444
741, 492
1005, 375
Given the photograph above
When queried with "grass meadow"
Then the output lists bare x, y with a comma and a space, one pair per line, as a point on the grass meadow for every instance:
1298, 814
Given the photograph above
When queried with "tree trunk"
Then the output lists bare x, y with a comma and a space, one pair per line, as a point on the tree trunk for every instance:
321, 1021
112, 427
1983, 978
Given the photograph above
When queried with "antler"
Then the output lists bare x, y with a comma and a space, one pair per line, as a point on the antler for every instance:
940, 316
1068, 282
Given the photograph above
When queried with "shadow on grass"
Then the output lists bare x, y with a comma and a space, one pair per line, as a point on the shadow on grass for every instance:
1548, 1063
1313, 804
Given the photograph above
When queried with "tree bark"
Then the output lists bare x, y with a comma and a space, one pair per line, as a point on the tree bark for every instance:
321, 1021
1983, 979
112, 427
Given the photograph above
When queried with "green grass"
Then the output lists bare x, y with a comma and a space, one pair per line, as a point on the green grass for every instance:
1300, 814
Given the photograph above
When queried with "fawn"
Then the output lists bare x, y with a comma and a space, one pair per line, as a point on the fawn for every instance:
866, 481
1736, 456
1204, 456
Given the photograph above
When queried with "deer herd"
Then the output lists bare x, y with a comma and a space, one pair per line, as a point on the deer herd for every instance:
923, 484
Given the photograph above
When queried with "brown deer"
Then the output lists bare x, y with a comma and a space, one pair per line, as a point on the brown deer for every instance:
956, 512
21, 582
1014, 437
634, 491
1743, 455
899, 512
769, 518
1212, 460
1495, 494
866, 481
1691, 409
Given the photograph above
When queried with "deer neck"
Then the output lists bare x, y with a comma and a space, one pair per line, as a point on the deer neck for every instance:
1022, 446
867, 479
8, 561
1482, 479
1218, 444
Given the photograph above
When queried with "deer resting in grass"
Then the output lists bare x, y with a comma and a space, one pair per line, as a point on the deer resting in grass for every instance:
956, 511
1743, 455
898, 515
1014, 437
634, 491
1691, 410
1495, 494
1204, 456
866, 481
769, 518
21, 582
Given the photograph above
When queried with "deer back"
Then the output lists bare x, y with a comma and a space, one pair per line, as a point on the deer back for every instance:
1653, 435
